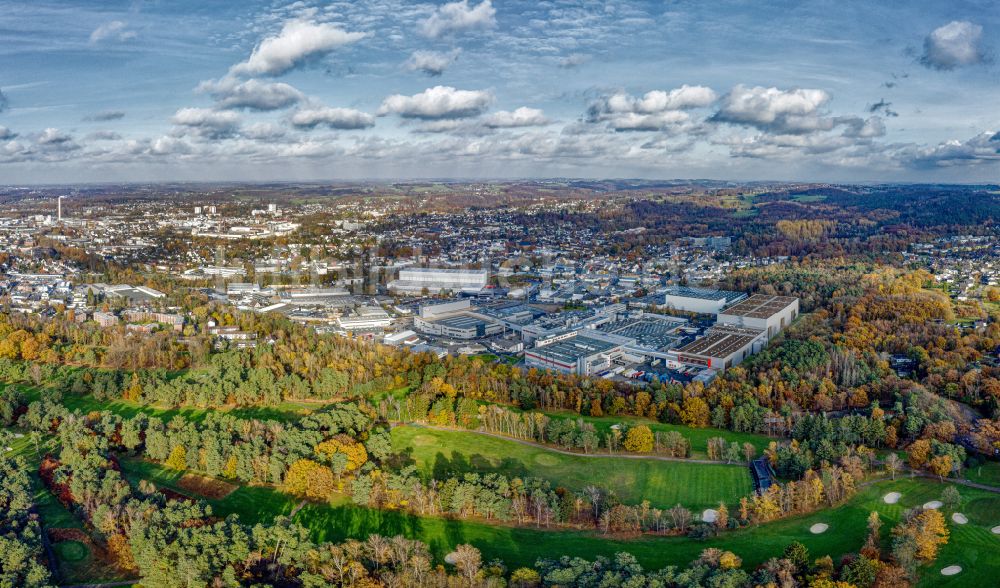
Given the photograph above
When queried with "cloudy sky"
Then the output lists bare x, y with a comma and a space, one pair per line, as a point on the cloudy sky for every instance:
728, 89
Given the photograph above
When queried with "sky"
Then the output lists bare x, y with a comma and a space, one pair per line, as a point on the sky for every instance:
811, 90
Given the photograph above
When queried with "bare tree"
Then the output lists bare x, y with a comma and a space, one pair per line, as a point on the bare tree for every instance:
681, 518
468, 561
594, 494
893, 464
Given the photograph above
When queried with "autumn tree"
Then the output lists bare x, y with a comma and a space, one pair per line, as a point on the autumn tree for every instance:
355, 452
309, 479
940, 466
918, 453
722, 516
695, 412
924, 530
177, 459
639, 439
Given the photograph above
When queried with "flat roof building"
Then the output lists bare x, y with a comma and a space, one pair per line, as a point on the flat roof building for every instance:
457, 326
435, 280
762, 311
722, 347
575, 354
700, 300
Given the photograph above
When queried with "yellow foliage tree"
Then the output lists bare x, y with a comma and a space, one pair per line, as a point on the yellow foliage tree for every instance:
695, 412
930, 532
940, 466
309, 479
639, 439
919, 452
355, 452
729, 561
229, 470
177, 459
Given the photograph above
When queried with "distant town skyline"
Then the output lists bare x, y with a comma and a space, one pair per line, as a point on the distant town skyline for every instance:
258, 91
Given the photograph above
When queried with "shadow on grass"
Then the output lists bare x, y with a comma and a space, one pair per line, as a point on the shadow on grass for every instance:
459, 464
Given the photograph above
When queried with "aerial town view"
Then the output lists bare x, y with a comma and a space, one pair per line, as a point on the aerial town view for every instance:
499, 294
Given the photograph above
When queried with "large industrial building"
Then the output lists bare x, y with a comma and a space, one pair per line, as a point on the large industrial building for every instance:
455, 320
768, 313
643, 336
722, 347
575, 352
700, 300
436, 280
365, 319
610, 337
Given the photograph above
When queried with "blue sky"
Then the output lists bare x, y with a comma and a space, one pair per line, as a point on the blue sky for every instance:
813, 90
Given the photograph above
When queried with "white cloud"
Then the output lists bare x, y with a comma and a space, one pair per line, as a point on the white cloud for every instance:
263, 131
251, 94
573, 60
983, 148
459, 16
655, 110
169, 146
335, 118
52, 136
298, 42
953, 45
114, 29
659, 101
432, 63
771, 109
859, 128
448, 126
6, 134
212, 124
438, 102
521, 117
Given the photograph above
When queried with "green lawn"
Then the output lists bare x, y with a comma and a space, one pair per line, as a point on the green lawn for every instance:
664, 484
972, 546
988, 473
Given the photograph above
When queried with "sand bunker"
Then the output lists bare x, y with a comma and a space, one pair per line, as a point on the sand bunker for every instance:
819, 528
451, 558
995, 530
960, 518
892, 497
710, 515
951, 570
932, 505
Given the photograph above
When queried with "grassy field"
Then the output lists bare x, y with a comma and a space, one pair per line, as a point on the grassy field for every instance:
664, 484
972, 546
988, 473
